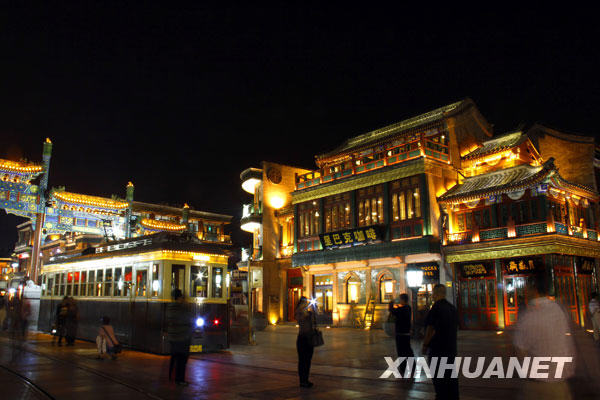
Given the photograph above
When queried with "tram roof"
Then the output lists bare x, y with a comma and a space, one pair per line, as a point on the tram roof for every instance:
143, 244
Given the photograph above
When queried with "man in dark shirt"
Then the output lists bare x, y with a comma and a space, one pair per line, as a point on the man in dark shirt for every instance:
402, 316
440, 341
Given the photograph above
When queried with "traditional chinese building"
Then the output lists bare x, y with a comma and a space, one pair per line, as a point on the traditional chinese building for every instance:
275, 287
524, 204
369, 213
62, 222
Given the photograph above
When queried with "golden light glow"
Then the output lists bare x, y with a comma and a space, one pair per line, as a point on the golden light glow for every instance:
16, 166
94, 201
162, 225
273, 320
48, 140
277, 201
251, 226
129, 184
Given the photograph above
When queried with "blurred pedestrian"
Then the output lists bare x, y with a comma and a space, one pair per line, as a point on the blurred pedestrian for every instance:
595, 315
62, 310
544, 330
71, 321
3, 306
402, 317
441, 327
179, 334
106, 341
305, 315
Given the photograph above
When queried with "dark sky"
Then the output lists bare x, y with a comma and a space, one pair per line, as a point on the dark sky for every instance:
180, 100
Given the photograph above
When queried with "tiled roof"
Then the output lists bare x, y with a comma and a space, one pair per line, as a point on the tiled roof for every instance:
161, 209
501, 143
373, 137
20, 167
497, 182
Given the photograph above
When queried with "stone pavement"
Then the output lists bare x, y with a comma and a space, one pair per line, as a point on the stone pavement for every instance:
348, 366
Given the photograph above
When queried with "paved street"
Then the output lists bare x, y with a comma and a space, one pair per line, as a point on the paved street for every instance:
348, 366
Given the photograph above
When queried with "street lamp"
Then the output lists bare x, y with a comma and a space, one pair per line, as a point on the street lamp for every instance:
414, 280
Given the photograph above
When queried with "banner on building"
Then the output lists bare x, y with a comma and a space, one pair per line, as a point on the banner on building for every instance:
351, 237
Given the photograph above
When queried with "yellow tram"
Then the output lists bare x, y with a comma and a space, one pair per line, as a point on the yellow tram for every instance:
131, 282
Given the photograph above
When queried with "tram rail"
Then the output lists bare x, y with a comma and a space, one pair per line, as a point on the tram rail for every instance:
7, 343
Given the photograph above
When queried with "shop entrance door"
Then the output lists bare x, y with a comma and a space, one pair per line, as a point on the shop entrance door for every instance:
564, 284
294, 295
515, 297
478, 305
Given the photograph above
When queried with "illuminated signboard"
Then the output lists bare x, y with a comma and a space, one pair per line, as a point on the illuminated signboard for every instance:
521, 265
431, 271
476, 269
585, 265
351, 237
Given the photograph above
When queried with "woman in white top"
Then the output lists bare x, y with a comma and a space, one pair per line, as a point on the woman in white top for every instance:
106, 340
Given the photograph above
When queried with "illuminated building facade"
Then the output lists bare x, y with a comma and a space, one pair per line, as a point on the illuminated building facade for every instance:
369, 213
524, 204
270, 220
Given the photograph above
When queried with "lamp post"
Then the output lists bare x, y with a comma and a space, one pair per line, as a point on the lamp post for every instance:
414, 280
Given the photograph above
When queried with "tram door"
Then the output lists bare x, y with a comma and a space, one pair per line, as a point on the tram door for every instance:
515, 297
139, 307
178, 277
564, 285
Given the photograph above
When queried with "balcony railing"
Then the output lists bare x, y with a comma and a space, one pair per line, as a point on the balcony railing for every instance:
214, 237
523, 230
391, 156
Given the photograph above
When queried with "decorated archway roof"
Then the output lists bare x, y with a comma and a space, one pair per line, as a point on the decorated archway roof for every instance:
498, 144
94, 201
20, 167
167, 226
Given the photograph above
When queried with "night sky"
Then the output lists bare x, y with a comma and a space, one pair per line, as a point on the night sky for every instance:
181, 100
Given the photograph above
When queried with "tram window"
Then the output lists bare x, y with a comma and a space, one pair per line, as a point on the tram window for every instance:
155, 281
108, 281
76, 276
56, 284
199, 281
49, 287
83, 286
177, 277
69, 283
118, 287
99, 277
127, 280
62, 284
141, 281
217, 282
91, 283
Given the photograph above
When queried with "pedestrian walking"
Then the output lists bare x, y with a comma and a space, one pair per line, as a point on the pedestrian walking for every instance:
106, 341
402, 314
441, 327
62, 310
71, 321
544, 330
305, 315
179, 334
595, 315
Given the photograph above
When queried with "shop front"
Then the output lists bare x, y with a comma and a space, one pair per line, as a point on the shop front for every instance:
323, 295
477, 302
431, 277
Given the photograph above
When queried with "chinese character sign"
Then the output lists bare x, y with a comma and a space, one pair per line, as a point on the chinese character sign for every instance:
521, 266
351, 237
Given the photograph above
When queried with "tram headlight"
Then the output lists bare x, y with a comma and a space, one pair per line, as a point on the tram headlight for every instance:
199, 322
